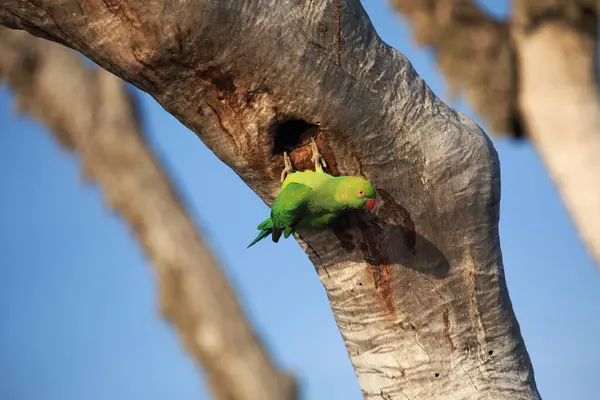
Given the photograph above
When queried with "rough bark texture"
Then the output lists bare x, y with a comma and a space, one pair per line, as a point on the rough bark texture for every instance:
91, 112
533, 77
417, 288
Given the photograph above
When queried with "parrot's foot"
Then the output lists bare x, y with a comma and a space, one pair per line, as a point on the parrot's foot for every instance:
317, 158
289, 169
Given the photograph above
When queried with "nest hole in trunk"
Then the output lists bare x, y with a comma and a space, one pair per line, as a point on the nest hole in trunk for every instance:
291, 133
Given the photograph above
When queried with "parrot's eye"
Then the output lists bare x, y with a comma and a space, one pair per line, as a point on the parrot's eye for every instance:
361, 193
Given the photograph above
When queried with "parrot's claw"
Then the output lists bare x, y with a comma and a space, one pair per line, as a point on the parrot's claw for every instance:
288, 166
317, 158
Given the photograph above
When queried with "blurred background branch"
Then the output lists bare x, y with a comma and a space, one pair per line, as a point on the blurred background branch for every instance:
473, 51
534, 76
91, 112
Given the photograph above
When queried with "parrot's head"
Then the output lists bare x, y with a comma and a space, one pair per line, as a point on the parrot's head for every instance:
356, 192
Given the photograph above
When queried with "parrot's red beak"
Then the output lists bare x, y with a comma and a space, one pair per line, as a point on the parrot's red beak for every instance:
370, 204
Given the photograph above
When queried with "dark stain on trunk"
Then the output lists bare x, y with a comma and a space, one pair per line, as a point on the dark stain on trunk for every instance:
338, 32
382, 278
222, 82
373, 247
446, 317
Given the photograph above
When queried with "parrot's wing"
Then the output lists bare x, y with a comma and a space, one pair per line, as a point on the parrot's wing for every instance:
289, 206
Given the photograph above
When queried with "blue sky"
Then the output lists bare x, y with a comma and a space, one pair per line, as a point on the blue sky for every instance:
78, 305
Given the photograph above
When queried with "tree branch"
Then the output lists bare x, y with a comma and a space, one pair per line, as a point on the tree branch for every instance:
91, 112
417, 289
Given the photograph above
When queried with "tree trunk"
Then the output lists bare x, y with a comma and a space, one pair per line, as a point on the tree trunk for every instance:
90, 111
559, 101
417, 288
534, 76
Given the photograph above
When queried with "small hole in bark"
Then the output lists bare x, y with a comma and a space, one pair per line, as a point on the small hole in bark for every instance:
359, 283
491, 352
291, 133
437, 375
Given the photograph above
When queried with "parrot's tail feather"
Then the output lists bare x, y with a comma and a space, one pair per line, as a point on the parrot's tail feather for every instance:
288, 231
266, 224
263, 234
276, 234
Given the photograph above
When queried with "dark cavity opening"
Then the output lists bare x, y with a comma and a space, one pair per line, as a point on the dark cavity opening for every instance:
292, 133
437, 375
491, 352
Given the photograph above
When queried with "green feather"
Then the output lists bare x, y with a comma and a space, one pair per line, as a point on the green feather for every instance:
266, 224
263, 234
288, 231
276, 234
265, 227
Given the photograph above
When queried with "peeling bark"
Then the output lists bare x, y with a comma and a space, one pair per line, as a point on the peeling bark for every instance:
534, 76
417, 288
91, 112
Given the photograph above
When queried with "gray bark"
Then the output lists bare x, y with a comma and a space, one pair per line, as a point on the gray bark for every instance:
417, 288
533, 76
92, 113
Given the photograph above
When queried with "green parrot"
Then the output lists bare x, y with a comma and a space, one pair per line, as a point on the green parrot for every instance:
313, 198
